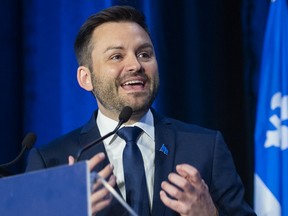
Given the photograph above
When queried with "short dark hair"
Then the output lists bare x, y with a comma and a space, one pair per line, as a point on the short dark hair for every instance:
83, 48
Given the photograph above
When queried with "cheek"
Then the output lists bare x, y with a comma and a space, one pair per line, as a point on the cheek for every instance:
108, 70
152, 71
106, 74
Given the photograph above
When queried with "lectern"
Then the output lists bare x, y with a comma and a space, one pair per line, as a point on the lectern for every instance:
63, 190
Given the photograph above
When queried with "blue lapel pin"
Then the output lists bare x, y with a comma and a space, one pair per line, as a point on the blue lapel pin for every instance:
164, 149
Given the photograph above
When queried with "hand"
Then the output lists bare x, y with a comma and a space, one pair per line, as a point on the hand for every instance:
100, 197
192, 195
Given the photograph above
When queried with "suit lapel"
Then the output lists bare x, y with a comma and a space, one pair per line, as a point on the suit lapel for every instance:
164, 161
89, 133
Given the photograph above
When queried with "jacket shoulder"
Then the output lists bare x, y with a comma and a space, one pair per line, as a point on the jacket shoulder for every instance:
57, 151
181, 126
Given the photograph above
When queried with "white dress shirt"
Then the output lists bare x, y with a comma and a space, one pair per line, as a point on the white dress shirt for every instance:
114, 146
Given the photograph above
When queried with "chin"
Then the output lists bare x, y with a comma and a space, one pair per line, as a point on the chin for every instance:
138, 104
139, 108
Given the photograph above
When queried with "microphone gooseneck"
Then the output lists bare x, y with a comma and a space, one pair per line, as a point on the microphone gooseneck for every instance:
27, 143
124, 116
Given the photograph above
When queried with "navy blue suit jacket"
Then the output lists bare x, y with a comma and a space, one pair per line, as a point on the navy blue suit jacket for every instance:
202, 148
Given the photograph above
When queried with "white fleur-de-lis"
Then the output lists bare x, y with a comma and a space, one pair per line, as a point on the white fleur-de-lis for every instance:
279, 136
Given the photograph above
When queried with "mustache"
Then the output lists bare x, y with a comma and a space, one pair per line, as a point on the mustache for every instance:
132, 75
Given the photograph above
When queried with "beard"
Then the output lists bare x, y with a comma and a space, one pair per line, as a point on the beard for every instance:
106, 93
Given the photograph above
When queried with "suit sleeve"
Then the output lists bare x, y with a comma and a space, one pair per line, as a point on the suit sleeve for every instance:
35, 161
226, 187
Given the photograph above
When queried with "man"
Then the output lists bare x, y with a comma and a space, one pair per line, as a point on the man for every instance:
188, 169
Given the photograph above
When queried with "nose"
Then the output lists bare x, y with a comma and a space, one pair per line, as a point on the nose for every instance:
133, 64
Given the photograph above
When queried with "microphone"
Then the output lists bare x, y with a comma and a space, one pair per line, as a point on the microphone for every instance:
27, 143
124, 116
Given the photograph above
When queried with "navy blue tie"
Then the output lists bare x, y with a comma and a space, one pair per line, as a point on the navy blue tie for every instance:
134, 173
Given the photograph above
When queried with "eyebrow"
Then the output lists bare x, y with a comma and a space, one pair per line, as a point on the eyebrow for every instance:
113, 48
145, 45
142, 46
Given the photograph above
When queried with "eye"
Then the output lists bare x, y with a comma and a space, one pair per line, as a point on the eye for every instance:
144, 55
116, 57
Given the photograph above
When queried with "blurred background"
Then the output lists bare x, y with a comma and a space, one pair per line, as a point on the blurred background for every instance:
208, 53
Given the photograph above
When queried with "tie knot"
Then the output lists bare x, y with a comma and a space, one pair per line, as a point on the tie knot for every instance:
129, 134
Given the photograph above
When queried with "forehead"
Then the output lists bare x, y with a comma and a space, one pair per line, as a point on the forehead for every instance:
119, 33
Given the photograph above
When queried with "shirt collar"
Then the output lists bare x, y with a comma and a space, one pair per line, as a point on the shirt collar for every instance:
106, 125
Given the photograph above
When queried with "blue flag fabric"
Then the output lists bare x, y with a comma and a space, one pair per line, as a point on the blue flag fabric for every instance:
271, 132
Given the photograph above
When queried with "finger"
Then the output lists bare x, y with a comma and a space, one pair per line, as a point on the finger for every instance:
171, 203
171, 190
104, 173
178, 180
102, 198
96, 160
71, 160
99, 196
112, 180
193, 177
98, 183
190, 173
101, 205
165, 199
107, 171
100, 201
103, 193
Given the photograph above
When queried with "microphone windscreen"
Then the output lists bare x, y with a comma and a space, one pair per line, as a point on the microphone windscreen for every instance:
125, 114
29, 140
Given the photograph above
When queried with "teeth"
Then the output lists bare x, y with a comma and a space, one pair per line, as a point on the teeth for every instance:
133, 82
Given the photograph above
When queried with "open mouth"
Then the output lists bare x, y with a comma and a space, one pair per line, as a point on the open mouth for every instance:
136, 84
133, 83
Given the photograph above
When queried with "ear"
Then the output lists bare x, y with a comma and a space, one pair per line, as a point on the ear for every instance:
84, 78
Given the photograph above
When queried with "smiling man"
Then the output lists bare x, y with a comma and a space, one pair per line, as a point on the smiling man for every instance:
123, 70
169, 167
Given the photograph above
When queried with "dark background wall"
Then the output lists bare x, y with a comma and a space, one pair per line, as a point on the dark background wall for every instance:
208, 54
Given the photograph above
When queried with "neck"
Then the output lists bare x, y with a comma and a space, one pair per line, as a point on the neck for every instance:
136, 116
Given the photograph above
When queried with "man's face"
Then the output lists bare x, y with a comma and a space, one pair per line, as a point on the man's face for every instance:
125, 71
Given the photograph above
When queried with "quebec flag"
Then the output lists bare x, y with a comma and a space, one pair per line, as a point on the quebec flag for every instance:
271, 132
